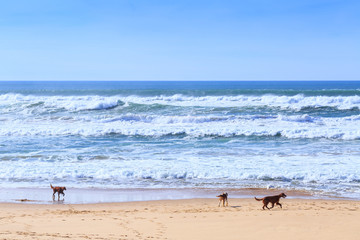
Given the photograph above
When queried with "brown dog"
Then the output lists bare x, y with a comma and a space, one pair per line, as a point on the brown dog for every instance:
271, 199
223, 197
59, 190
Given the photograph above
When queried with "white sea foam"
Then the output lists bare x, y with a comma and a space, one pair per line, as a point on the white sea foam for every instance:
181, 162
294, 171
296, 102
301, 126
60, 116
76, 103
71, 103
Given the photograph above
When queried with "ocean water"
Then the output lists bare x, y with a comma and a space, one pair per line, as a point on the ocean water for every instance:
129, 135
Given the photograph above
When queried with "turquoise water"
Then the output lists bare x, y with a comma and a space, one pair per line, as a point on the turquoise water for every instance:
120, 135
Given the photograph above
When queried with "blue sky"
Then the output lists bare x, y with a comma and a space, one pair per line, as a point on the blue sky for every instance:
179, 40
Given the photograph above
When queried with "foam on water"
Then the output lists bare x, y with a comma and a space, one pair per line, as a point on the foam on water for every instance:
72, 115
293, 171
295, 126
170, 139
94, 102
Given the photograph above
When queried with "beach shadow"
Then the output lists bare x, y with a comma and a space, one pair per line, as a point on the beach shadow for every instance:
235, 206
25, 200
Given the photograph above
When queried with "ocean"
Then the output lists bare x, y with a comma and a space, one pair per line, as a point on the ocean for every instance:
286, 135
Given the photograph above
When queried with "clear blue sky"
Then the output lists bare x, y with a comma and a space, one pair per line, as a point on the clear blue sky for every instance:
179, 40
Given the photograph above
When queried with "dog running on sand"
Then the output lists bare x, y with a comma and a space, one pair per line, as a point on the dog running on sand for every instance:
58, 190
271, 199
223, 198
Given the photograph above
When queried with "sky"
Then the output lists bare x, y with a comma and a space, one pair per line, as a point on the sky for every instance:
179, 40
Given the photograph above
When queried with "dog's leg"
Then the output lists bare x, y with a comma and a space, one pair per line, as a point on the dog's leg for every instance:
54, 196
272, 205
227, 203
279, 204
219, 203
58, 196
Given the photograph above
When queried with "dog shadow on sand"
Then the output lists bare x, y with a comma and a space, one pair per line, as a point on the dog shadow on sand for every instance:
235, 206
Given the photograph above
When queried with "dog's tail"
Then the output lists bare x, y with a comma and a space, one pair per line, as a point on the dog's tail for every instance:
258, 199
51, 186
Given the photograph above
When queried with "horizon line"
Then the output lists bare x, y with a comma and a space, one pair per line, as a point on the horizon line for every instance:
162, 80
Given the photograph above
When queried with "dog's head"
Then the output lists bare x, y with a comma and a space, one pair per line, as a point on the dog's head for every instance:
226, 194
64, 188
283, 195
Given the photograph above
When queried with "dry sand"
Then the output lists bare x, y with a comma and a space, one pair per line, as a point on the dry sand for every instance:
182, 219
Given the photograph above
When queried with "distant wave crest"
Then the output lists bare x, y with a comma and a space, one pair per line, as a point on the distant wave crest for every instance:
74, 103
23, 115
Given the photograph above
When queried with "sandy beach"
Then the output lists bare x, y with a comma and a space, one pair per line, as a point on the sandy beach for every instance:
182, 219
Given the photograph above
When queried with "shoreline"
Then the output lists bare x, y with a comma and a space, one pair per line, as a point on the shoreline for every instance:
99, 196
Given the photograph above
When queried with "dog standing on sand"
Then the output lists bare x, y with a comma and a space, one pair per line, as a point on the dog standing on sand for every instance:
58, 190
222, 198
271, 199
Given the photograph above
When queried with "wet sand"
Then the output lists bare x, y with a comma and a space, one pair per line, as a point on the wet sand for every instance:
95, 195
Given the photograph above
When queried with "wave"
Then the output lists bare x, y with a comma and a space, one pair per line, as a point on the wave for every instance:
112, 172
180, 115
294, 126
301, 170
70, 103
119, 175
296, 102
79, 103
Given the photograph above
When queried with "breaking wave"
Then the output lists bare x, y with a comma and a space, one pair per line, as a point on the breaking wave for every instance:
76, 103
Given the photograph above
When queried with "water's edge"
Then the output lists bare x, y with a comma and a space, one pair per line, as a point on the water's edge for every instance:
97, 195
